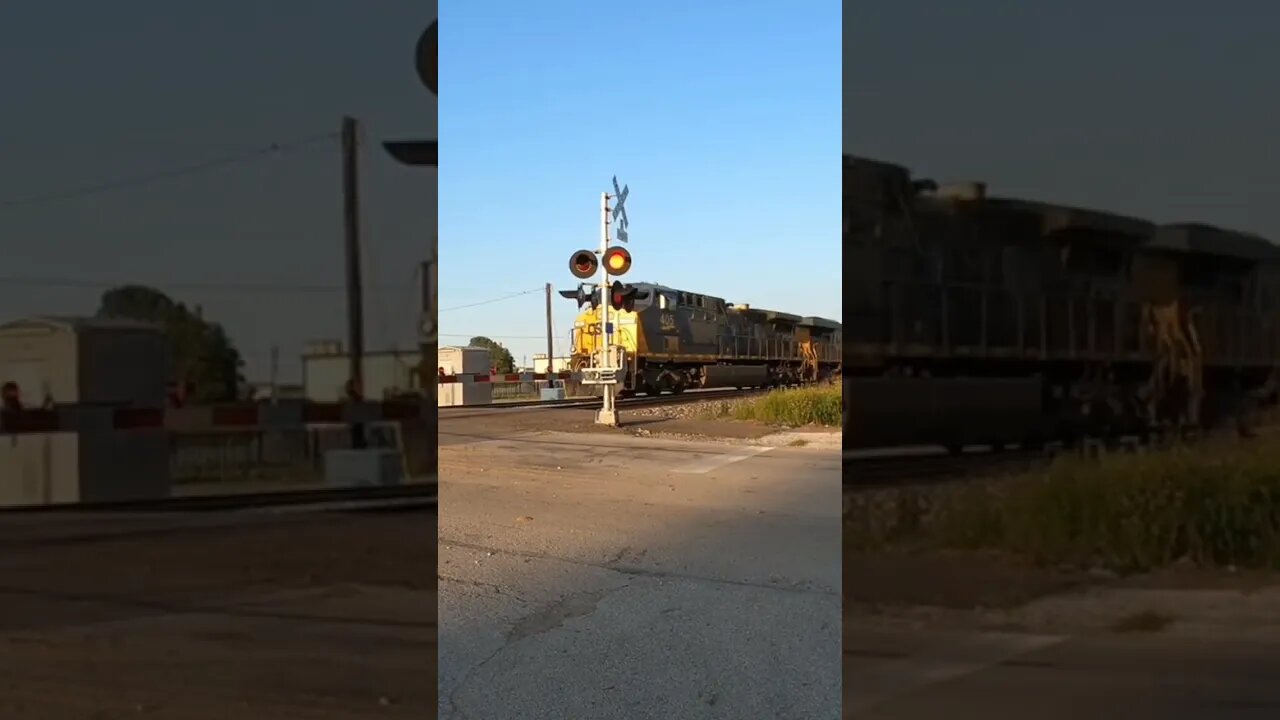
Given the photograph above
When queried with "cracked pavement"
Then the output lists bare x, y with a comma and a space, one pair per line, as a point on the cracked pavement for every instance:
610, 576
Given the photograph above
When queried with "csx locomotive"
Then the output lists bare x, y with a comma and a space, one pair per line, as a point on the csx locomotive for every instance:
980, 319
673, 340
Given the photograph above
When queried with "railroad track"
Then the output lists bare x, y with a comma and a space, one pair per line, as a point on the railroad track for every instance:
869, 471
423, 494
866, 473
626, 403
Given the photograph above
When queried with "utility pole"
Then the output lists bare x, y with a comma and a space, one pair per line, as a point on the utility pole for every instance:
275, 373
355, 291
550, 352
427, 336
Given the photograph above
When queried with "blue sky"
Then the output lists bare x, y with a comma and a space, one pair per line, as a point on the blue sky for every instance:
98, 91
722, 117
1162, 110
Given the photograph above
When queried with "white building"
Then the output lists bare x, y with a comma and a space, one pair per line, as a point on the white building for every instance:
326, 367
558, 363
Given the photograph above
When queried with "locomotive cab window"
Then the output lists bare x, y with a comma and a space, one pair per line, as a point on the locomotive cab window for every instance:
644, 303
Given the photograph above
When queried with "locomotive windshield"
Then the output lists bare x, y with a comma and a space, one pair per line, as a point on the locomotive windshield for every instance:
645, 303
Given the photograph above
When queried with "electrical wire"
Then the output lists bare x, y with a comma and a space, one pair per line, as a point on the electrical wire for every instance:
169, 174
33, 281
493, 300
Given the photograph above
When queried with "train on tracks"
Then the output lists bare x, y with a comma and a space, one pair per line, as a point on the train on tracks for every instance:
973, 318
671, 340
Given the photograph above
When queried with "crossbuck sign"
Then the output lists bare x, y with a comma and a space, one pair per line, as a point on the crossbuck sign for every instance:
619, 211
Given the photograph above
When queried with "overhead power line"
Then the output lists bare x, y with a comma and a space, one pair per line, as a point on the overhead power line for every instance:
494, 300
168, 174
32, 281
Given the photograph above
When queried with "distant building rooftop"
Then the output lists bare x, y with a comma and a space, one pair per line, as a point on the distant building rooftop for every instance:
77, 323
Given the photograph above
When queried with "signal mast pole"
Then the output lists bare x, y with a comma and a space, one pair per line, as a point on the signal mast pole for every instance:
608, 414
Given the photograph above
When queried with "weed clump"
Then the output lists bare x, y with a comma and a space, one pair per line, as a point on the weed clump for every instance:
1211, 504
795, 408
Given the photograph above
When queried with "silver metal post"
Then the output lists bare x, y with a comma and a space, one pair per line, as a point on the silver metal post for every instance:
608, 414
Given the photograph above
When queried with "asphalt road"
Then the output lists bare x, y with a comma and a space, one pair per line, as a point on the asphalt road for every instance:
608, 576
925, 674
275, 615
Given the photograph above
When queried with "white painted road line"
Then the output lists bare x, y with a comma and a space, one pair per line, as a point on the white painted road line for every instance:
719, 460
872, 681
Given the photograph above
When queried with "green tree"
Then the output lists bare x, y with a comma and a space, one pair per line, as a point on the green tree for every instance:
201, 352
499, 356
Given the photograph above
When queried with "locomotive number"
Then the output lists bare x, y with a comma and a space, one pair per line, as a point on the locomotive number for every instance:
668, 321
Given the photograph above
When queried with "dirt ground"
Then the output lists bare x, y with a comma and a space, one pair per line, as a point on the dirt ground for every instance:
956, 590
949, 579
297, 616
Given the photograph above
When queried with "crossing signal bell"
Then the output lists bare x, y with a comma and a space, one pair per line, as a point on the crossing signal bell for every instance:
617, 261
583, 264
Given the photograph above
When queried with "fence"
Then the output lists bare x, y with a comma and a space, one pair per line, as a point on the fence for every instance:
284, 444
518, 391
289, 456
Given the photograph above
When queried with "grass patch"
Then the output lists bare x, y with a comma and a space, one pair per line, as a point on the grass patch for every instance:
1216, 505
794, 408
798, 442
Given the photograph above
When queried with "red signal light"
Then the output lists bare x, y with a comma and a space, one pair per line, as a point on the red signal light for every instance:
620, 296
617, 261
583, 264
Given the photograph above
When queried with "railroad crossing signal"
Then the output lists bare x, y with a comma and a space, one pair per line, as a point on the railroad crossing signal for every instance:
583, 264
617, 261
422, 153
586, 294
